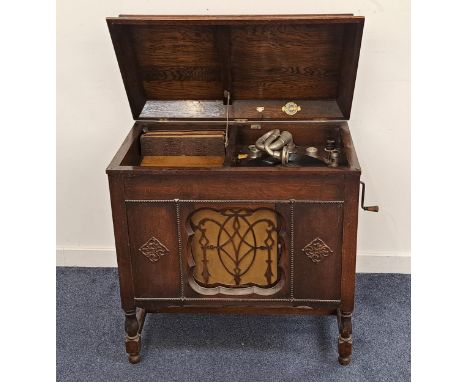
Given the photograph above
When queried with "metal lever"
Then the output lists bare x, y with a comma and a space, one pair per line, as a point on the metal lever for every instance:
363, 193
227, 95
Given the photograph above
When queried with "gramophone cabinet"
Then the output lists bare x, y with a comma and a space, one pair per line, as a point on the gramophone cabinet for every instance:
237, 188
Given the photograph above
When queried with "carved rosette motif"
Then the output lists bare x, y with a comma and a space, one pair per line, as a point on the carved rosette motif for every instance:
317, 250
153, 249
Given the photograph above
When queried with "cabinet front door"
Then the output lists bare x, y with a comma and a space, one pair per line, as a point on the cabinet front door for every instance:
154, 249
285, 251
318, 232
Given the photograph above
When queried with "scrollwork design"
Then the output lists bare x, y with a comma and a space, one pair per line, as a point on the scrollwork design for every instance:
235, 247
317, 250
153, 249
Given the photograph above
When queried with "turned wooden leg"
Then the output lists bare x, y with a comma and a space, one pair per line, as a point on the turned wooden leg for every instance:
133, 326
345, 339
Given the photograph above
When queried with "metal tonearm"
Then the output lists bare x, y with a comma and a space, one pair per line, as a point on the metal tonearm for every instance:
276, 144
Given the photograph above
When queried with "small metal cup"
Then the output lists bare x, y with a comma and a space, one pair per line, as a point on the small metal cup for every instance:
312, 151
334, 158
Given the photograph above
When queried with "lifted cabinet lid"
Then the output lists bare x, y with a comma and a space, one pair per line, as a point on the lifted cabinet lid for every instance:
291, 67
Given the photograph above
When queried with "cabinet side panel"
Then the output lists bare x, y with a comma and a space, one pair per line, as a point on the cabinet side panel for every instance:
317, 250
350, 223
116, 187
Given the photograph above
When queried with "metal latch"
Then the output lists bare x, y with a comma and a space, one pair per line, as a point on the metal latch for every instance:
363, 193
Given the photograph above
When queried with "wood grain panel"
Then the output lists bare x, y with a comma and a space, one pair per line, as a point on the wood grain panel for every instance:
167, 90
350, 60
178, 62
241, 308
184, 161
293, 61
242, 109
272, 109
189, 144
321, 278
123, 46
310, 58
154, 278
116, 187
181, 45
235, 186
321, 18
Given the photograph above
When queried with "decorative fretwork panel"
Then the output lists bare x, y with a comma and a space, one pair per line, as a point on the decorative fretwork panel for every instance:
235, 247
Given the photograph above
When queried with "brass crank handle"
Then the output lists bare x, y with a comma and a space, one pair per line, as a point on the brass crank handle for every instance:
363, 193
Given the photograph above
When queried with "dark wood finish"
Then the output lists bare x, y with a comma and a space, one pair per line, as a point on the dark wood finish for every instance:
302, 61
183, 161
257, 59
321, 277
134, 321
223, 45
216, 110
153, 276
272, 110
177, 71
230, 186
117, 194
345, 339
342, 18
350, 58
201, 143
316, 310
128, 68
178, 62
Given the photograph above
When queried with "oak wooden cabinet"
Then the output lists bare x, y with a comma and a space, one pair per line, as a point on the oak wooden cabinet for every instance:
230, 234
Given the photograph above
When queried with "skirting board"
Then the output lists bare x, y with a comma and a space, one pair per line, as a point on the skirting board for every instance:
367, 262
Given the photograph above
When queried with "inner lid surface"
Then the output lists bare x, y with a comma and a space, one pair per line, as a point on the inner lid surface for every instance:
170, 66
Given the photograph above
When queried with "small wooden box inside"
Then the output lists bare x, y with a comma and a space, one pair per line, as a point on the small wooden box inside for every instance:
210, 235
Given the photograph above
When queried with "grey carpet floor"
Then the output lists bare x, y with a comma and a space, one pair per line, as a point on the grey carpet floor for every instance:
229, 348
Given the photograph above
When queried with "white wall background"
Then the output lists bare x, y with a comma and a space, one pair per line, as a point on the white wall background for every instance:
93, 117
